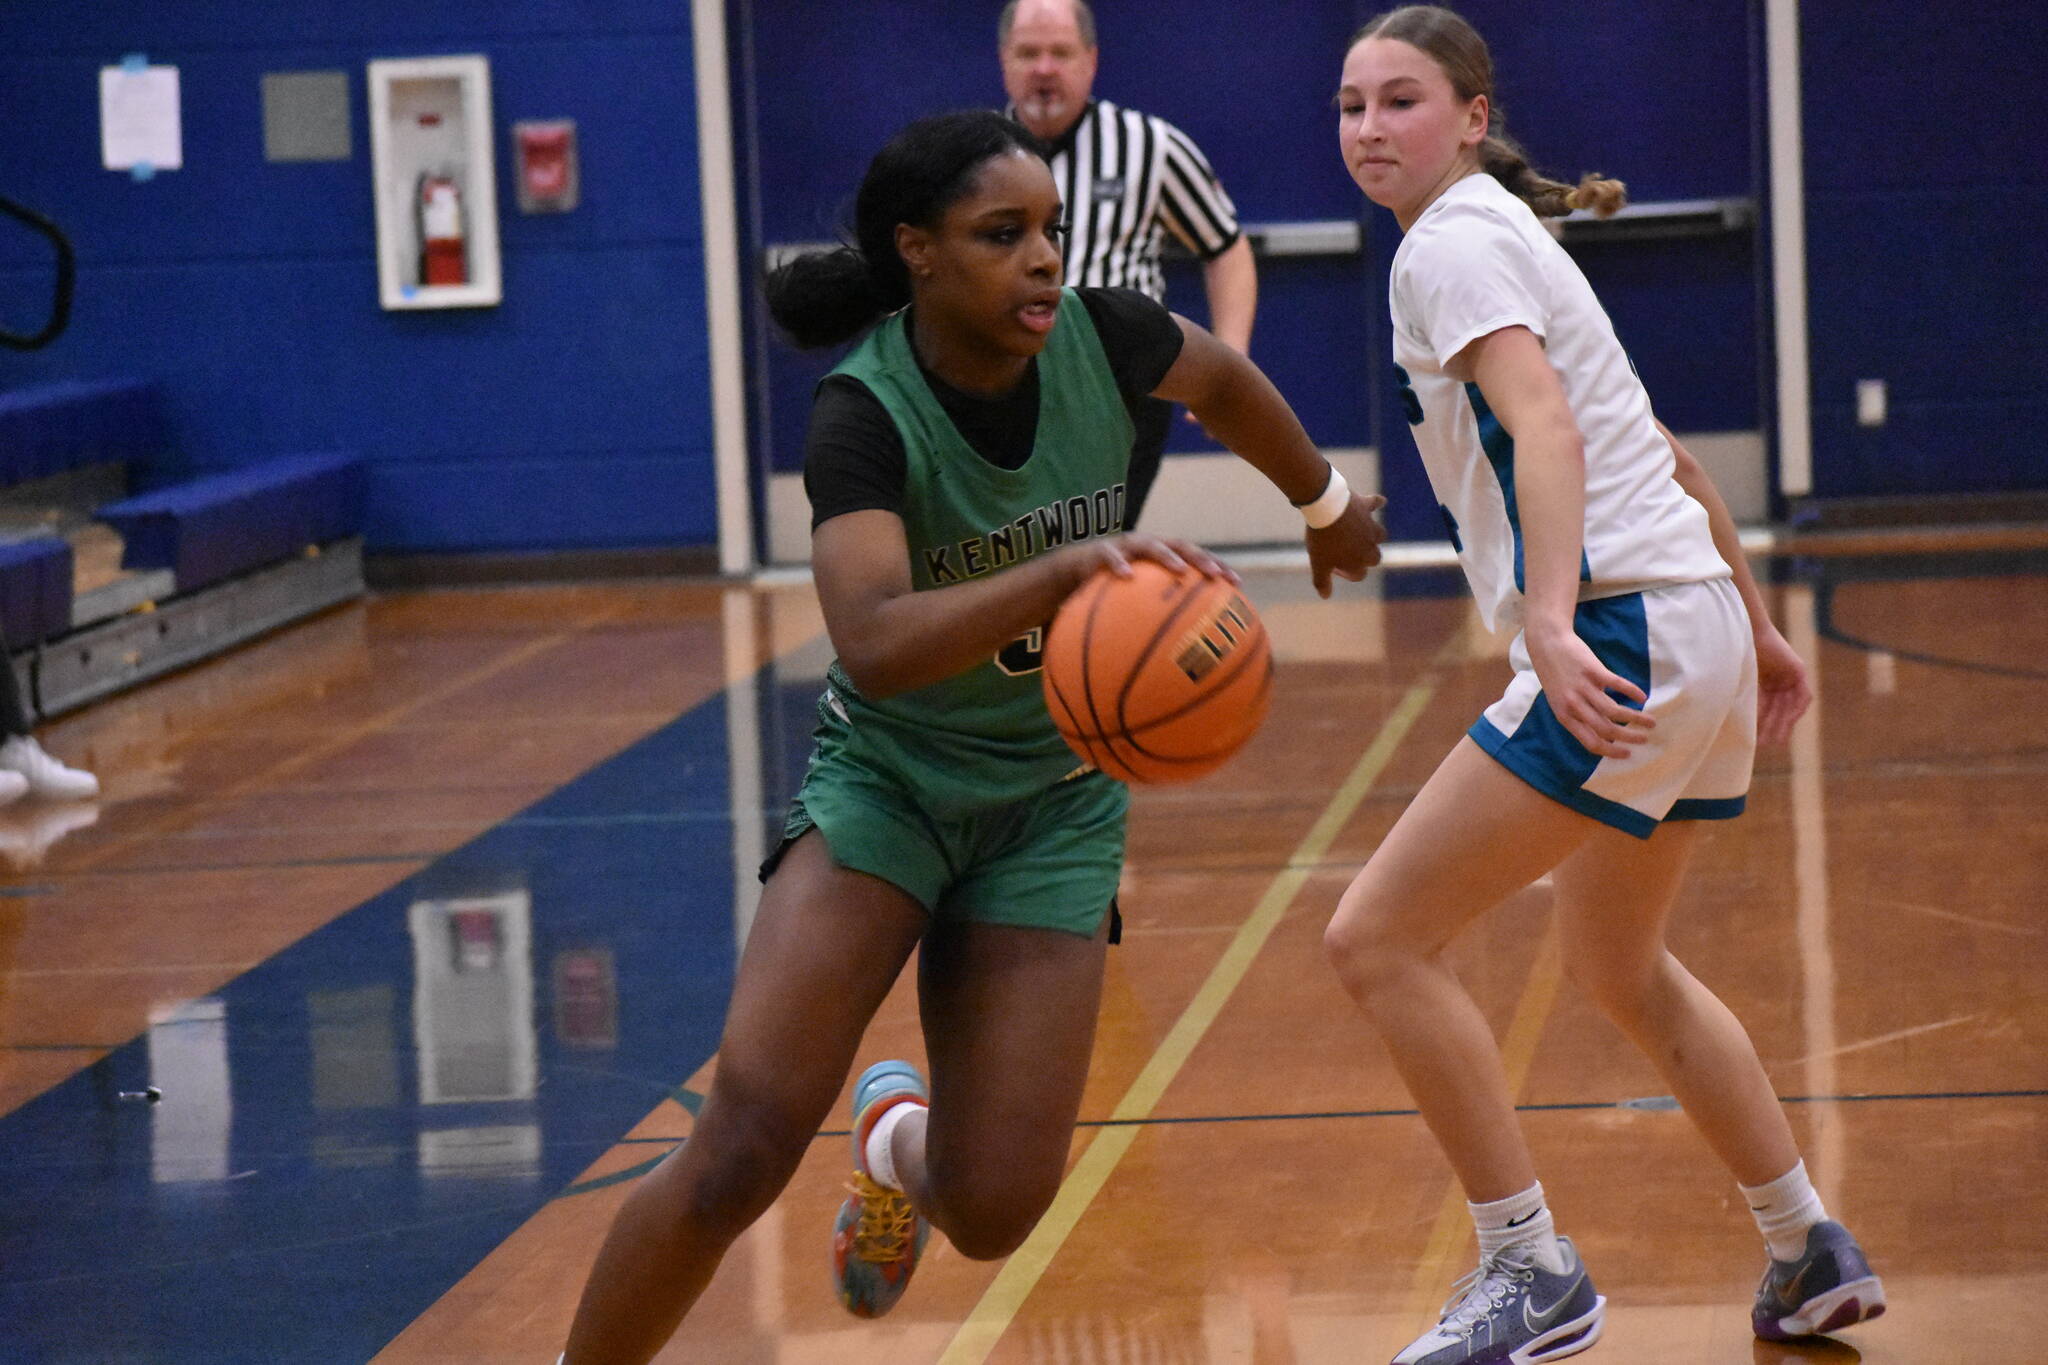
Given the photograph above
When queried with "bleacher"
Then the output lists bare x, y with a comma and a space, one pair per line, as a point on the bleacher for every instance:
112, 572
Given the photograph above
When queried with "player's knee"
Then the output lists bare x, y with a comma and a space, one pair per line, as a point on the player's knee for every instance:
988, 1230
743, 1158
1358, 946
1622, 992
989, 1207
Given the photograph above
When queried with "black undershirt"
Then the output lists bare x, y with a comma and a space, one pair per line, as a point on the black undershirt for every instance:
853, 454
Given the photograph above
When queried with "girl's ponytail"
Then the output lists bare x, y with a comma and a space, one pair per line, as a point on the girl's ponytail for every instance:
823, 298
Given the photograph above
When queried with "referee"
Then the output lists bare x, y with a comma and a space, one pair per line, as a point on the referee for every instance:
1126, 179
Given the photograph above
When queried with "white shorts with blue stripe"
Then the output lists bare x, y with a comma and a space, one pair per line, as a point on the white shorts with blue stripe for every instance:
1688, 646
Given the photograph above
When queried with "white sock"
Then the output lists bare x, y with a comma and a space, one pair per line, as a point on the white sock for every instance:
1784, 1210
879, 1153
1517, 1220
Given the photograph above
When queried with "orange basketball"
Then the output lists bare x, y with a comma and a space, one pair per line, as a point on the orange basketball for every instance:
1158, 677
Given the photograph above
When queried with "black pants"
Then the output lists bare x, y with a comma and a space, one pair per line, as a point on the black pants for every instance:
1154, 420
14, 719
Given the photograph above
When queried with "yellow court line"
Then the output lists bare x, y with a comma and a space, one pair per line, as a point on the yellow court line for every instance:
1453, 1229
999, 1304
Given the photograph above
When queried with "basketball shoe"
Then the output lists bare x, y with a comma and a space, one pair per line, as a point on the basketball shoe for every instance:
46, 777
878, 1235
1828, 1288
1511, 1311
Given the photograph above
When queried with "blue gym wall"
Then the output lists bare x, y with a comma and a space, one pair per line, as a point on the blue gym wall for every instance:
1927, 244
1253, 87
576, 414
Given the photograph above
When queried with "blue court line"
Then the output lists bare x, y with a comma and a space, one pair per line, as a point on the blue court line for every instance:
1842, 637
318, 1215
1568, 1106
1824, 600
280, 865
640, 1168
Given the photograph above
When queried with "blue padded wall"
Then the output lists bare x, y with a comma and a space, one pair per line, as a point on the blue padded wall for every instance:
211, 528
1658, 95
576, 414
1927, 245
35, 591
49, 429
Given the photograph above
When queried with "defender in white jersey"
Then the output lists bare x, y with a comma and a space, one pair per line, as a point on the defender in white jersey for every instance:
1477, 262
1646, 666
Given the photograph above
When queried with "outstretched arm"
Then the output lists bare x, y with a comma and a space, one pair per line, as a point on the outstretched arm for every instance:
1239, 406
1784, 685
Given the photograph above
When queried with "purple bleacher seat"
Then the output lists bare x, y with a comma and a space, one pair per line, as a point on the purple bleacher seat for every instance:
35, 590
220, 525
50, 428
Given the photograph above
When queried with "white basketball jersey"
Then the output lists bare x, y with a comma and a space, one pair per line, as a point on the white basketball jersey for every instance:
1479, 260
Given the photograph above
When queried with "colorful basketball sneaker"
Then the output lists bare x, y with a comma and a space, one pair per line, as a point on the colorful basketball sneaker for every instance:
1828, 1288
1511, 1311
878, 1235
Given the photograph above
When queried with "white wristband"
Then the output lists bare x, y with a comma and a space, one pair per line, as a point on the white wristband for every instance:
1328, 505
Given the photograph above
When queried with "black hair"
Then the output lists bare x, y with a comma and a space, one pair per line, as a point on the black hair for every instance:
822, 298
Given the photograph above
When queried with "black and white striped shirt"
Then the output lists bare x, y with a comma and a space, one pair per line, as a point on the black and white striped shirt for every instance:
1126, 179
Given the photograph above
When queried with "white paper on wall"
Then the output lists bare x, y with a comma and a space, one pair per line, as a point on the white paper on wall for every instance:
139, 118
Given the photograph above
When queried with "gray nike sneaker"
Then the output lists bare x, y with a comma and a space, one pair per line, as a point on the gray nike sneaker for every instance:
1828, 1288
1511, 1311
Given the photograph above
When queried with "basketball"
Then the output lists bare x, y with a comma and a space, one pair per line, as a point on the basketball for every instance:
1159, 677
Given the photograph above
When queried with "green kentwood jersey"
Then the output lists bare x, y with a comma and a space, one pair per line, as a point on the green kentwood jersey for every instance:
983, 737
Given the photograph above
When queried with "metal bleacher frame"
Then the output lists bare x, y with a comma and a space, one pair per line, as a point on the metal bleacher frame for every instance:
150, 635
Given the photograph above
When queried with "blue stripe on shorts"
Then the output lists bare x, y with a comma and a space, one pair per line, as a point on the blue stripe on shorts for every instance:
1543, 753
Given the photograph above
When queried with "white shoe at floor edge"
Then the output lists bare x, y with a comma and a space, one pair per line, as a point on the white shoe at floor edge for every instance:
46, 777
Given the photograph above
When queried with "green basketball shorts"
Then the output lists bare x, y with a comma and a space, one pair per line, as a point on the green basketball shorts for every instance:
1050, 861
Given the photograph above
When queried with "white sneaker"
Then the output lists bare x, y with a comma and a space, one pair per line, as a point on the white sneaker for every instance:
1493, 1315
45, 776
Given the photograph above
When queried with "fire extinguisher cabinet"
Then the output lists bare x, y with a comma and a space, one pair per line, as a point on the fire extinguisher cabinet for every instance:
437, 195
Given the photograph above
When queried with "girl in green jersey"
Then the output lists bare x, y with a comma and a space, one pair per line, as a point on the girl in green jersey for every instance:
966, 470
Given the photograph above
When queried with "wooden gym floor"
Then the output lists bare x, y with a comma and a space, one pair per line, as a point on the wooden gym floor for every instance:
417, 920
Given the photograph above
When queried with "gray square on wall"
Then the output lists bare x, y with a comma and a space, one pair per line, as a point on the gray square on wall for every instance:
305, 116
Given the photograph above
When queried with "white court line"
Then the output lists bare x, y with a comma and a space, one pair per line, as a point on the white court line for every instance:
1810, 880
1899, 1034
1974, 921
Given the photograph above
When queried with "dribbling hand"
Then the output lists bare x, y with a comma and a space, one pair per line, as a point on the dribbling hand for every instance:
1116, 553
1348, 546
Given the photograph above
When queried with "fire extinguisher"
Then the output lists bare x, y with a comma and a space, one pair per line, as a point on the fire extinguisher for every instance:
438, 210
